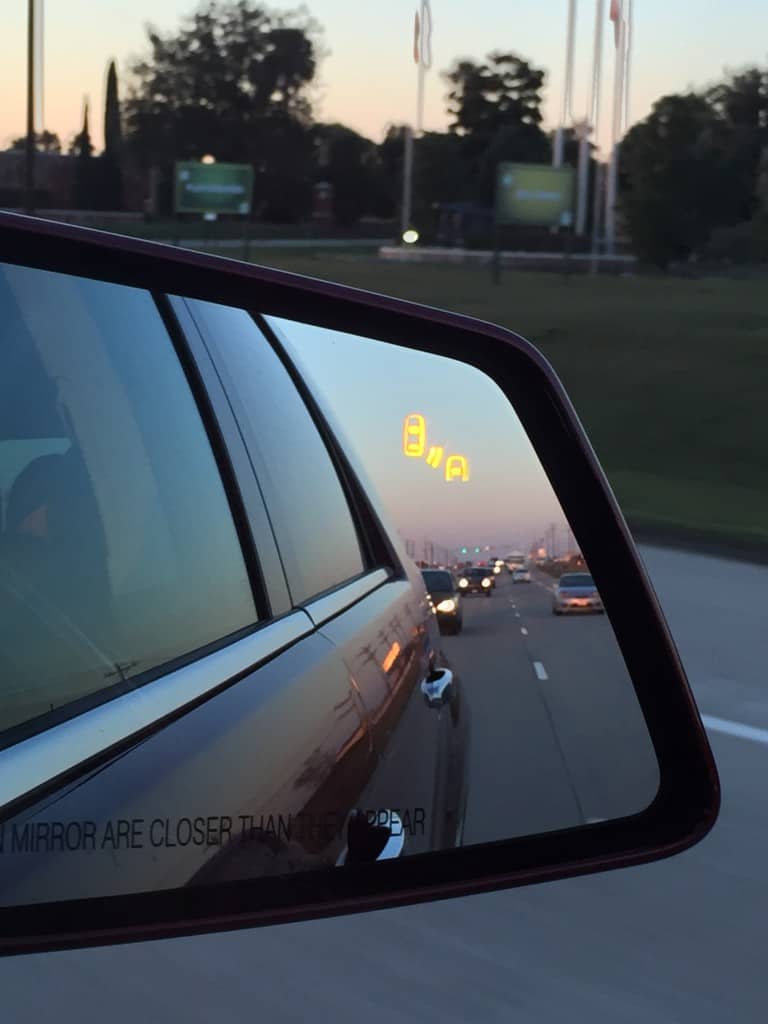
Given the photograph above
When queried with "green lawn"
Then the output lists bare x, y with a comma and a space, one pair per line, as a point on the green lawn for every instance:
669, 376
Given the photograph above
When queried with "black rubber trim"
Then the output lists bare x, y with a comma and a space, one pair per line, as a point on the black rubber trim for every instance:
220, 451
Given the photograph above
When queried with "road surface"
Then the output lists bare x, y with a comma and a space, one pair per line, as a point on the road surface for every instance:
679, 941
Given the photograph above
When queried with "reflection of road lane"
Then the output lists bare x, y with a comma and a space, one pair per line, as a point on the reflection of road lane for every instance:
557, 734
593, 705
518, 782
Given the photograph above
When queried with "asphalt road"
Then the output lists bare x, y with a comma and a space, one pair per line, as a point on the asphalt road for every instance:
557, 735
674, 942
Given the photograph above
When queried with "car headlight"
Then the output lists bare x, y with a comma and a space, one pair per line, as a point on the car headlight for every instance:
486, 582
448, 605
463, 582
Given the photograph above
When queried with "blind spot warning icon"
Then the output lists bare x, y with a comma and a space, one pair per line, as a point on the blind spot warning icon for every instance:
435, 456
457, 468
414, 436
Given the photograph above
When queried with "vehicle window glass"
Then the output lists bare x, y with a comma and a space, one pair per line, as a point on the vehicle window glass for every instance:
579, 579
438, 580
118, 552
310, 514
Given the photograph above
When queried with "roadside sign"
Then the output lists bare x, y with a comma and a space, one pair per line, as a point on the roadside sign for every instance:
534, 194
212, 188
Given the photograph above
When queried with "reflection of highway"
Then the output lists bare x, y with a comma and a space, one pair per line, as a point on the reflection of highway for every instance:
557, 737
677, 942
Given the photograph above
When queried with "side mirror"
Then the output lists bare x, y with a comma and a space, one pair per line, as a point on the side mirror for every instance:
226, 698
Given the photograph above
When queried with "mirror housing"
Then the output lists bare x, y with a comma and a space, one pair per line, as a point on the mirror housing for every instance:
687, 802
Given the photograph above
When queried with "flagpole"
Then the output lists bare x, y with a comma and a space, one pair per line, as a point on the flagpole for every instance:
567, 113
405, 214
29, 146
422, 55
611, 192
593, 119
627, 60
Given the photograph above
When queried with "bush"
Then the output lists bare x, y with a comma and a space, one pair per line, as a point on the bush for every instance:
745, 243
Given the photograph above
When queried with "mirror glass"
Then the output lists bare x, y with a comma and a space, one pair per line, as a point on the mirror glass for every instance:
558, 739
178, 709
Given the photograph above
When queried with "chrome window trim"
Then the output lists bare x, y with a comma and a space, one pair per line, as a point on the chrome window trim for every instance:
321, 609
36, 761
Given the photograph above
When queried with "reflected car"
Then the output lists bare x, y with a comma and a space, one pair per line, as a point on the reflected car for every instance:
576, 592
446, 598
521, 576
101, 613
476, 580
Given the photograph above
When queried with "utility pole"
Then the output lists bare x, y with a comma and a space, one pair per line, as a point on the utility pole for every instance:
29, 153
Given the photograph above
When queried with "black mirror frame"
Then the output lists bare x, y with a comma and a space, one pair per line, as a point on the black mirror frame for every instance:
687, 803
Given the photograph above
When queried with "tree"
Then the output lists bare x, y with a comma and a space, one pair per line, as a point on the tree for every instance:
85, 179
350, 163
743, 99
232, 81
742, 102
113, 130
503, 92
110, 163
679, 180
496, 111
45, 142
81, 146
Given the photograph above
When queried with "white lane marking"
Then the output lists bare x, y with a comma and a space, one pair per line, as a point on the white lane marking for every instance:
744, 732
524, 631
541, 672
517, 615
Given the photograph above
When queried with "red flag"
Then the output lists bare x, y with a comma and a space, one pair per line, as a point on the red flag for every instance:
615, 16
416, 34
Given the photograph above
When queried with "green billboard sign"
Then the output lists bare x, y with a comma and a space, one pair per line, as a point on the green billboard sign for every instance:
212, 188
535, 194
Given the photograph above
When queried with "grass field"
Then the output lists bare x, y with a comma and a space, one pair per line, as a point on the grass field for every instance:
669, 377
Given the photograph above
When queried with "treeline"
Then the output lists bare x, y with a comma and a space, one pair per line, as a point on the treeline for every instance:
694, 175
236, 81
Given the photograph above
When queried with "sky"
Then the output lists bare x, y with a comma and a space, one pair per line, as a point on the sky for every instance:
368, 79
507, 501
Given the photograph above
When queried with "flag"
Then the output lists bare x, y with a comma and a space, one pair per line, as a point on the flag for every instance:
416, 37
615, 16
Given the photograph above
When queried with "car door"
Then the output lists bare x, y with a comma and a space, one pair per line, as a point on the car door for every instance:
167, 712
380, 619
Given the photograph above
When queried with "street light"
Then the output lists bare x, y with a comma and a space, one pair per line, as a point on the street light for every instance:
208, 159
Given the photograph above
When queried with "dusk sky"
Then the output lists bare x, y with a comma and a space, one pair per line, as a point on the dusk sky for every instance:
368, 77
507, 502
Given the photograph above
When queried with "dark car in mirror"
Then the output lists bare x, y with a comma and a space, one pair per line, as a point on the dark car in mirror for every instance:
446, 597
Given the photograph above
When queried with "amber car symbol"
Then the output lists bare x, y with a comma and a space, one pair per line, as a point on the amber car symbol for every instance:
414, 436
457, 468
